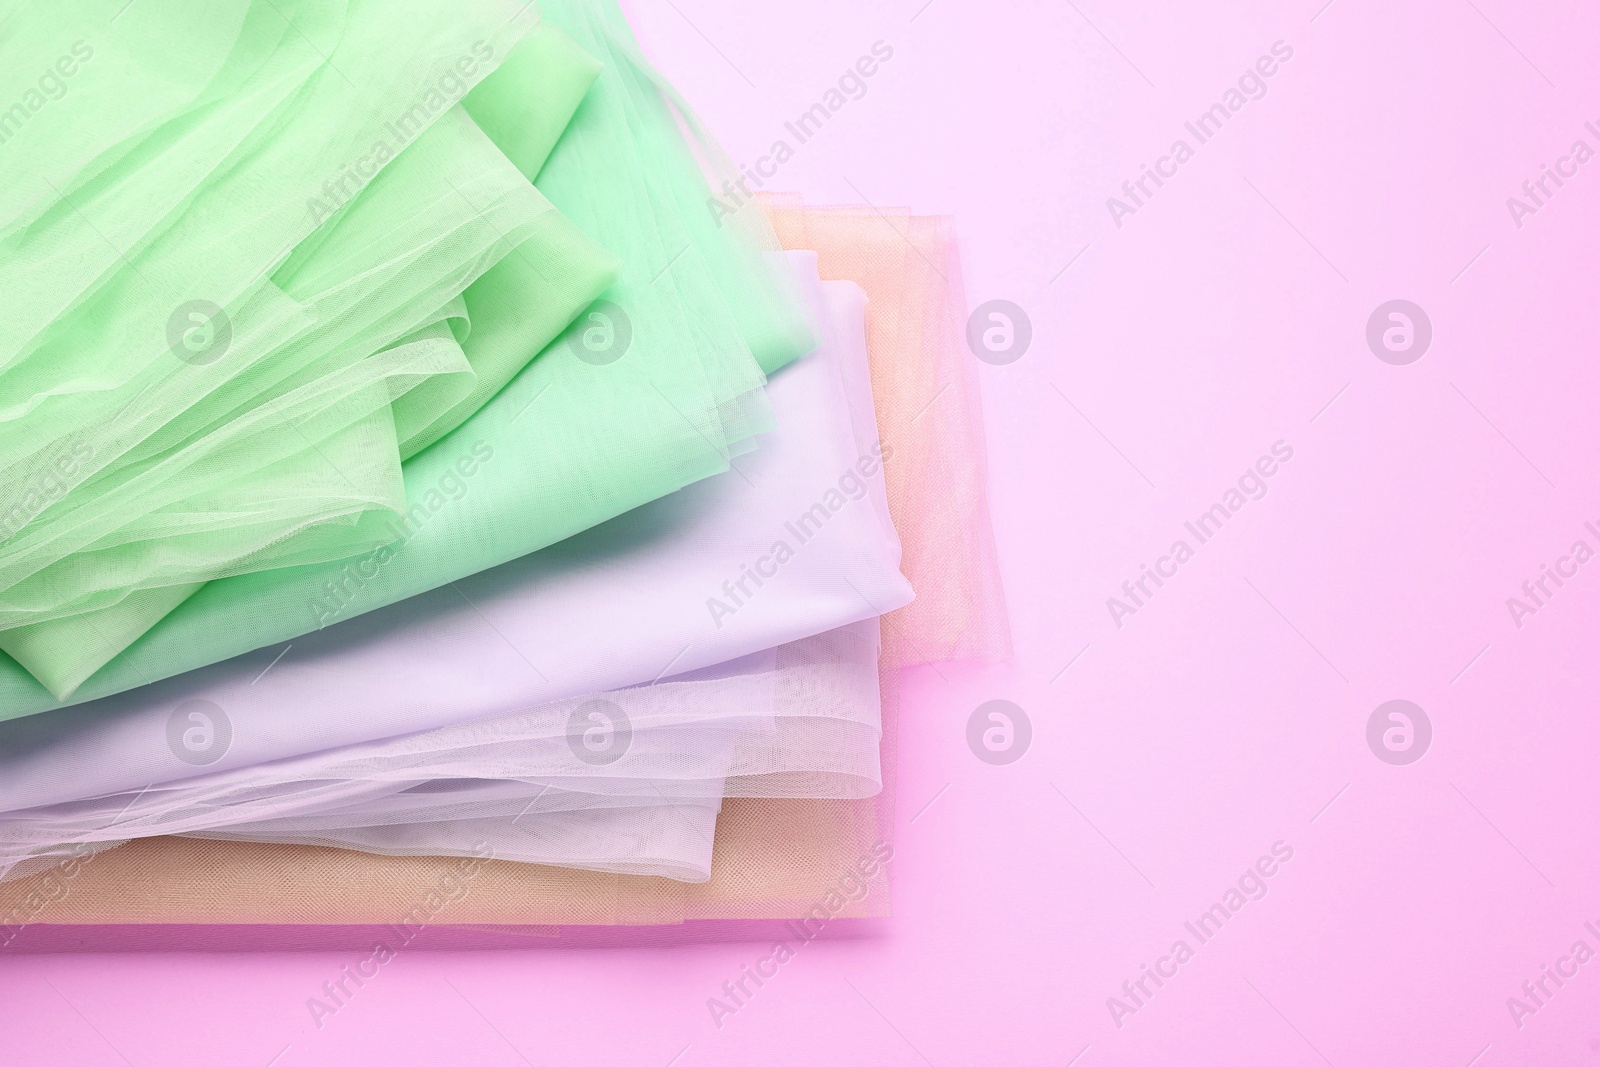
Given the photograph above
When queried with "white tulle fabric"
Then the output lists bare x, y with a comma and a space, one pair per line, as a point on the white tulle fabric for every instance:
523, 712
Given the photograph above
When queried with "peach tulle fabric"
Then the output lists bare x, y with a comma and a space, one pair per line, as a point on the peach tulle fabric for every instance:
774, 859
925, 388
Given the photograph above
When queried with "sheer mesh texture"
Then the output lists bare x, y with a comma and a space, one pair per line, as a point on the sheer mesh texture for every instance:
772, 858
576, 438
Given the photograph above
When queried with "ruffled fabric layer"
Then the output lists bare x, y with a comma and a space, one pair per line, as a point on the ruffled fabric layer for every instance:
733, 579
487, 501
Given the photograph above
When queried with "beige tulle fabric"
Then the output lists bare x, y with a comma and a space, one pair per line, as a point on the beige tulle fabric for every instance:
924, 385
774, 858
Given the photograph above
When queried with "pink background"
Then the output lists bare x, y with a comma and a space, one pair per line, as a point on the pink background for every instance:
1230, 712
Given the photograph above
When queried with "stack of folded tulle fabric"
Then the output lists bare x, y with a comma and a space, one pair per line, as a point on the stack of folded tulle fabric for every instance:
429, 498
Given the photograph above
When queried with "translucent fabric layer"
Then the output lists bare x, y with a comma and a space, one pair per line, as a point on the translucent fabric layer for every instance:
652, 390
773, 858
929, 409
674, 586
802, 720
215, 322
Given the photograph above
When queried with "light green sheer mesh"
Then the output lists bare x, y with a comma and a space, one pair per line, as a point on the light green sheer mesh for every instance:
653, 388
270, 432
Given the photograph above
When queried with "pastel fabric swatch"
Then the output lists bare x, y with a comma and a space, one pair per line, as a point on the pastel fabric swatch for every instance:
929, 409
772, 858
265, 425
696, 323
653, 591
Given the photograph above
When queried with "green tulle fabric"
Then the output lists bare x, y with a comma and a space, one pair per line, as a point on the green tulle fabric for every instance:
262, 425
375, 423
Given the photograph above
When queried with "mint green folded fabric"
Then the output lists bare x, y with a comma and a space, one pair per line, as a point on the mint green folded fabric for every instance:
143, 454
655, 387
280, 443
